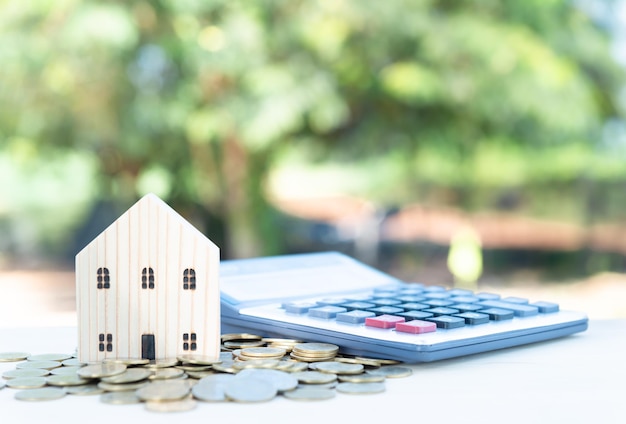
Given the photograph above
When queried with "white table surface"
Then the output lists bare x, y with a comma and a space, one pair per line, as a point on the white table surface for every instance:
576, 379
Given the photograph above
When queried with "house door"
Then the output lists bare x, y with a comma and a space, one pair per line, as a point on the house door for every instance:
147, 346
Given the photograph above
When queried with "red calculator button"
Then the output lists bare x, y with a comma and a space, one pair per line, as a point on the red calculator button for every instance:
416, 327
383, 321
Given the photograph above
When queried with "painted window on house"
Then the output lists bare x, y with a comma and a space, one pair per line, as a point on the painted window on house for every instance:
190, 342
147, 278
189, 279
103, 278
105, 342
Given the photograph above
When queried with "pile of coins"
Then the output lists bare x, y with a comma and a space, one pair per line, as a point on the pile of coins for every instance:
250, 369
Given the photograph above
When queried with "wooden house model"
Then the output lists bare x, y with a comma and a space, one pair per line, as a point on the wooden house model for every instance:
148, 287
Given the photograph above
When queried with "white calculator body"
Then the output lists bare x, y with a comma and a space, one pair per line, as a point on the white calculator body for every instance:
330, 297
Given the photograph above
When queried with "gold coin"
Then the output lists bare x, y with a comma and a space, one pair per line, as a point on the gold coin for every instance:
35, 372
26, 382
198, 359
194, 368
162, 363
363, 361
239, 336
13, 356
85, 390
316, 349
310, 358
166, 374
45, 393
122, 387
127, 361
240, 344
44, 365
282, 341
131, 375
101, 370
361, 378
257, 363
263, 352
66, 380
49, 357
199, 374
164, 391
172, 406
120, 398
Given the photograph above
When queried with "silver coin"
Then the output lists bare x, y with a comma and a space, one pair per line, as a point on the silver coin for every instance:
120, 398
44, 365
26, 382
263, 352
172, 406
127, 361
281, 380
45, 393
49, 357
72, 362
2, 384
392, 371
66, 380
330, 385
199, 374
361, 378
310, 394
35, 372
315, 349
249, 390
13, 356
361, 388
162, 363
292, 366
314, 377
339, 368
64, 371
123, 387
131, 375
101, 370
164, 391
198, 359
85, 390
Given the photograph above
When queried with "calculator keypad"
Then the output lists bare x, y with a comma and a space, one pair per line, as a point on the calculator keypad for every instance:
418, 309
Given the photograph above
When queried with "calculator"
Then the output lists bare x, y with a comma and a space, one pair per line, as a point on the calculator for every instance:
330, 297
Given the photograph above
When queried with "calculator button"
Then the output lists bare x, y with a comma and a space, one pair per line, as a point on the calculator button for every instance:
446, 321
488, 296
437, 302
441, 311
517, 300
412, 306
354, 317
460, 292
409, 315
496, 314
326, 312
519, 310
434, 289
437, 295
410, 292
385, 302
467, 307
474, 318
357, 305
546, 307
298, 308
410, 298
416, 327
383, 321
331, 302
465, 299
358, 298
386, 310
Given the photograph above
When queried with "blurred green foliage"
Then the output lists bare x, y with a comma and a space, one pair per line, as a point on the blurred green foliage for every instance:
212, 104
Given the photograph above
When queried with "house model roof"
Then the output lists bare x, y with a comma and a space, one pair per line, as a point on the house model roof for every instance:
148, 287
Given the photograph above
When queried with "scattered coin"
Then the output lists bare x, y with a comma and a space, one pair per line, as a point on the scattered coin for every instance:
263, 352
361, 378
105, 369
198, 360
281, 380
131, 375
44, 365
361, 388
240, 344
314, 377
45, 393
26, 382
123, 387
339, 368
310, 394
35, 372
249, 390
128, 361
166, 374
85, 390
66, 380
64, 371
50, 357
72, 362
120, 398
13, 356
239, 336
162, 363
2, 384
163, 391
392, 371
173, 406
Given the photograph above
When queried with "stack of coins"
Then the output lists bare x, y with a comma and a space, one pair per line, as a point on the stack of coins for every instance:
250, 369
